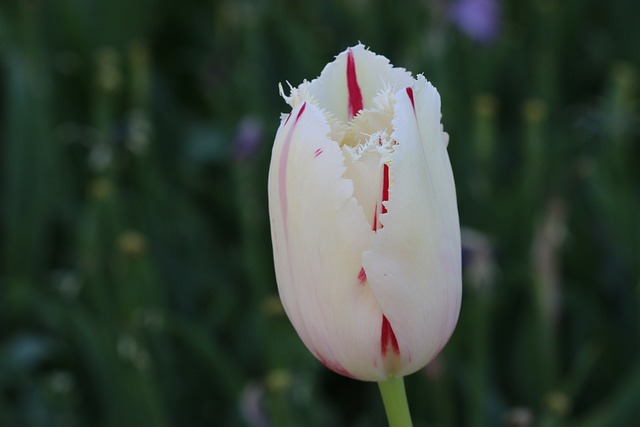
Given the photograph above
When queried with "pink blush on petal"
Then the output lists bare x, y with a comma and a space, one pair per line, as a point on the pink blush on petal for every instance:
334, 366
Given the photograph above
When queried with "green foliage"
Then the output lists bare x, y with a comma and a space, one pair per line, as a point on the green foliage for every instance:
136, 279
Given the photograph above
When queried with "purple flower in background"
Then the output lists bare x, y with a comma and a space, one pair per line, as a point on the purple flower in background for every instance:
248, 138
478, 19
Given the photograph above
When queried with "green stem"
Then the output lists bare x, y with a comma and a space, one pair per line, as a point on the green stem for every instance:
395, 402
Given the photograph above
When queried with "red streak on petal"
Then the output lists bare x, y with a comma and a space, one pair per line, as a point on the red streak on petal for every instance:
288, 117
375, 219
282, 173
410, 93
387, 337
317, 152
301, 111
385, 197
385, 186
362, 276
355, 95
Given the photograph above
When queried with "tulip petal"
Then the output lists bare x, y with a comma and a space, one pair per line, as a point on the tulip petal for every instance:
319, 233
414, 265
335, 89
365, 172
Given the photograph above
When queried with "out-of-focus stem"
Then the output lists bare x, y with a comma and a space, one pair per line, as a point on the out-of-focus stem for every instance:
479, 275
534, 112
484, 146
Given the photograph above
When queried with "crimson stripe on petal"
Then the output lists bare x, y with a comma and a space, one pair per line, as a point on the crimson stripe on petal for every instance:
375, 219
362, 276
388, 338
385, 186
410, 94
385, 197
355, 95
300, 112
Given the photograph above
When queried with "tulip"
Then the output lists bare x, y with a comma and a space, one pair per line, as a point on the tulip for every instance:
364, 220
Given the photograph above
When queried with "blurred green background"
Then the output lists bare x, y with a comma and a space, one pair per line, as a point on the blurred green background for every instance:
136, 278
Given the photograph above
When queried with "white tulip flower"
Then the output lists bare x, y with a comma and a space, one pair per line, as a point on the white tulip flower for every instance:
364, 218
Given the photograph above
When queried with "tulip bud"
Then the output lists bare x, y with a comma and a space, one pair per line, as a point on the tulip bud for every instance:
364, 219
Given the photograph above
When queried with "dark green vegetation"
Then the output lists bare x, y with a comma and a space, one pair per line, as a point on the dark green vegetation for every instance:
136, 280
